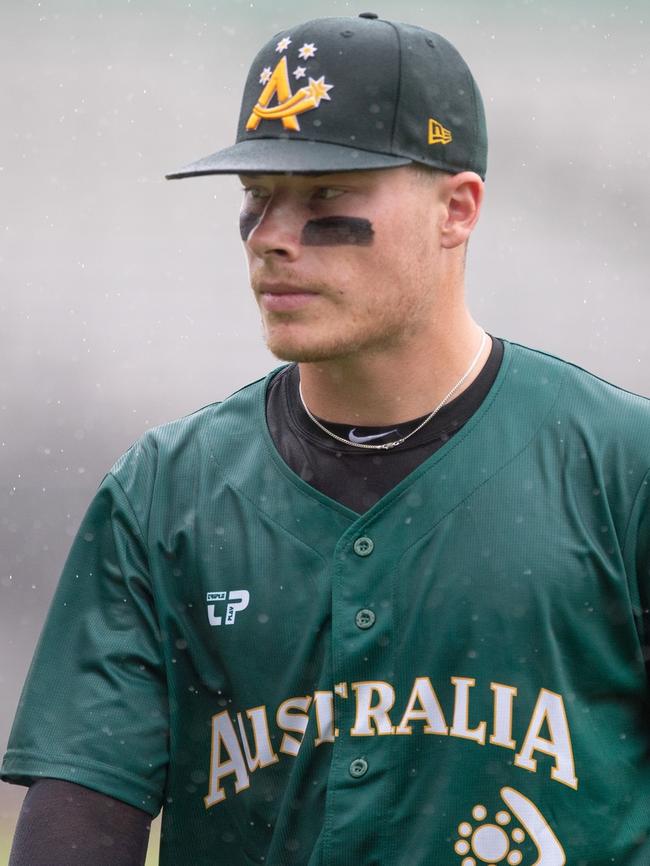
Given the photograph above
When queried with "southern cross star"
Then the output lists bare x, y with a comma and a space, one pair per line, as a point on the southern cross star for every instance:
299, 71
308, 50
266, 74
283, 44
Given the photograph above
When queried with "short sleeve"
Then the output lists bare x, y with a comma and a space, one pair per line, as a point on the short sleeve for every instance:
94, 705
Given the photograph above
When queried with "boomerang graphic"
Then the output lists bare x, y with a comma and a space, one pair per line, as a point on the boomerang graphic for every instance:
549, 850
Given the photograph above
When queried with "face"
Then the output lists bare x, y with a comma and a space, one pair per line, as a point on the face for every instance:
341, 264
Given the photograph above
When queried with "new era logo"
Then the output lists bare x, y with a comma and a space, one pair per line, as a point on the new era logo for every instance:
437, 133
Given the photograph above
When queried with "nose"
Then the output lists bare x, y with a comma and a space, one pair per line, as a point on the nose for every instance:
275, 230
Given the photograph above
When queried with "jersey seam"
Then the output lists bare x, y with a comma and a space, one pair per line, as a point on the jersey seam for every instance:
582, 370
637, 496
634, 578
106, 771
213, 405
489, 478
457, 440
313, 493
263, 511
133, 514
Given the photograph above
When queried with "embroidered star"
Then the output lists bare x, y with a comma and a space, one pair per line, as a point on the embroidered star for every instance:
318, 90
299, 71
266, 74
283, 44
308, 50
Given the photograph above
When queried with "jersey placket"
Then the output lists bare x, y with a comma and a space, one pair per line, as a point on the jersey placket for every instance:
362, 653
369, 561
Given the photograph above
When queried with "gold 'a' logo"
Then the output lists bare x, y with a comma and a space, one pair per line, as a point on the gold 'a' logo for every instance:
289, 104
437, 133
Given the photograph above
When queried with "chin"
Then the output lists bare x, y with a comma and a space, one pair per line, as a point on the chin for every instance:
305, 351
300, 354
313, 348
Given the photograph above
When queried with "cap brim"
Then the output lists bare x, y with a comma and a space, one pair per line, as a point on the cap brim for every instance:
287, 156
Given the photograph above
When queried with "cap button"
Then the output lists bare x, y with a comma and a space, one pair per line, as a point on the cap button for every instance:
368, 15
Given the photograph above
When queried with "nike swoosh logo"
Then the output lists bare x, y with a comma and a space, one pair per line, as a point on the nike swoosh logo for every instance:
354, 438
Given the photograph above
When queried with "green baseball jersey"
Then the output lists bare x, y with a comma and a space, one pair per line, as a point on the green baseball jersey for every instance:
454, 678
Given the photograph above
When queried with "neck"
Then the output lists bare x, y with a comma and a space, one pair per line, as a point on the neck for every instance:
391, 387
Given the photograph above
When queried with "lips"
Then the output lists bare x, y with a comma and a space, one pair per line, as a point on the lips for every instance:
273, 287
285, 300
282, 297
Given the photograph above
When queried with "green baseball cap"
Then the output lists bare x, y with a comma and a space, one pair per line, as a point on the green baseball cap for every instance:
343, 94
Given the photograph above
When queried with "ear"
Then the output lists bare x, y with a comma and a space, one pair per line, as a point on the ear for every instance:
463, 195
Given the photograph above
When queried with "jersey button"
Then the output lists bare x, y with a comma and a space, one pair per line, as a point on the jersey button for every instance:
363, 546
365, 618
358, 768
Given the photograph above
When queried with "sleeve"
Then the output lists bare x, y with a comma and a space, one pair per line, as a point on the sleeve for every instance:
94, 706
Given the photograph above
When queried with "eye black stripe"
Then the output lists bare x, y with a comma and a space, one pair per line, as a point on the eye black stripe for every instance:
335, 230
247, 222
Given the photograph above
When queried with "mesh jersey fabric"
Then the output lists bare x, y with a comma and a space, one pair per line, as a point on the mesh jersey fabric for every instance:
48, 819
296, 683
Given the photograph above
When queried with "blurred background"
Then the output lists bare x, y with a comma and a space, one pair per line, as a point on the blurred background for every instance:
124, 297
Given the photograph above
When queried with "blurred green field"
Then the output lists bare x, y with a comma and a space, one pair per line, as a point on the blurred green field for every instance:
4, 847
6, 833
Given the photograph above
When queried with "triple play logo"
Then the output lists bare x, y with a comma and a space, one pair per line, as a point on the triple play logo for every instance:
278, 83
234, 601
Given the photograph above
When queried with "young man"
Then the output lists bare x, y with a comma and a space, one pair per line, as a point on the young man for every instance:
385, 606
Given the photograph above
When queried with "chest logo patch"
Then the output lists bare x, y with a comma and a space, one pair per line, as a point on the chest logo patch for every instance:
234, 601
277, 83
497, 842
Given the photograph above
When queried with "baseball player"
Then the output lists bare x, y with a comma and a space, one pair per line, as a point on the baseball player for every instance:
386, 605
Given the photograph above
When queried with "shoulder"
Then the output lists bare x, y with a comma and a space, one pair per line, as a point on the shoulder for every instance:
579, 386
595, 435
603, 417
185, 445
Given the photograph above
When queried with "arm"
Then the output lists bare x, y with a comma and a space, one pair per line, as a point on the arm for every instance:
63, 824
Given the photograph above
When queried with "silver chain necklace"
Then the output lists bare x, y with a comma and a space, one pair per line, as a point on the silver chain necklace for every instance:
386, 446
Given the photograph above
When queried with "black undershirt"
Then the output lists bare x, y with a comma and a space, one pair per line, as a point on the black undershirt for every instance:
359, 477
63, 824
